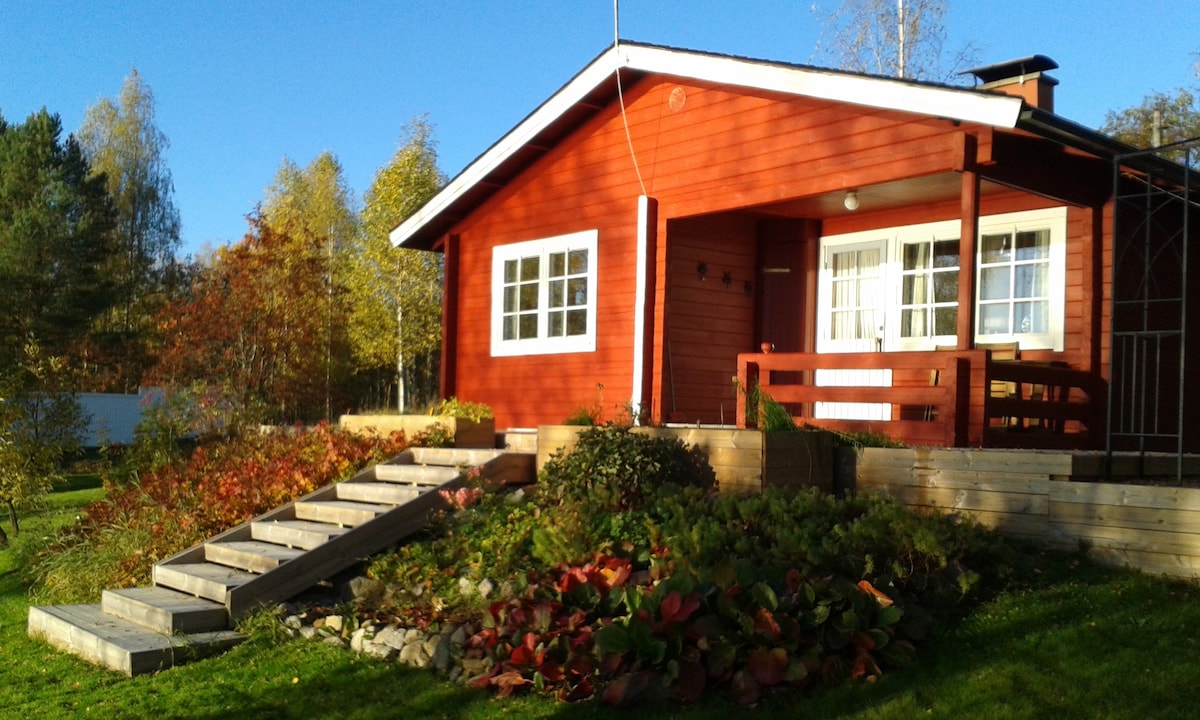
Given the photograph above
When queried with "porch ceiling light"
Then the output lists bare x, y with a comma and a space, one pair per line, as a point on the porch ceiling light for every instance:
851, 200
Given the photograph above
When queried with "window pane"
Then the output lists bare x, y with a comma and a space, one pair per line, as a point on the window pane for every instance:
528, 326
577, 262
510, 327
916, 256
558, 264
945, 321
529, 268
510, 299
993, 319
915, 289
1033, 245
577, 322
1032, 317
945, 286
556, 324
945, 253
1030, 280
994, 283
996, 248
529, 296
556, 293
913, 323
577, 291
510, 271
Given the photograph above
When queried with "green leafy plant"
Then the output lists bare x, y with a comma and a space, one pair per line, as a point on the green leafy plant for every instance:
610, 467
462, 409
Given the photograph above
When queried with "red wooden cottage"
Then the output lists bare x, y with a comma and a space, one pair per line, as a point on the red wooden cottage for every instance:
928, 261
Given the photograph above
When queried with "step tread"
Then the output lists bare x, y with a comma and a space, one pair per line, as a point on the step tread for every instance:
165, 610
89, 632
420, 475
306, 534
342, 512
204, 579
250, 555
376, 492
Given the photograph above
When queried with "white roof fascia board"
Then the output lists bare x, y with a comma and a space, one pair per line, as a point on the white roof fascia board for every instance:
574, 91
996, 110
894, 94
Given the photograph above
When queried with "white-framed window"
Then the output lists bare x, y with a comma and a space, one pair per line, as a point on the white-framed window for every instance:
544, 295
1020, 281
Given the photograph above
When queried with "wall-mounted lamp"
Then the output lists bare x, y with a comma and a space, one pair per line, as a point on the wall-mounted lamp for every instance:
851, 200
702, 271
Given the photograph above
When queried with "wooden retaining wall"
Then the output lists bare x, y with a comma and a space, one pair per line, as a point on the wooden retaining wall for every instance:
1052, 497
743, 460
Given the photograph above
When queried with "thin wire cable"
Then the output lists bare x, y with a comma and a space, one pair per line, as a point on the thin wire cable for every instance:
621, 96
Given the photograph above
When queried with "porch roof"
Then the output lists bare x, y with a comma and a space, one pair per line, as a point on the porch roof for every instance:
593, 88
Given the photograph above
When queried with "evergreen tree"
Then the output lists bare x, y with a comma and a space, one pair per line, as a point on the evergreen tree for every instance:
56, 223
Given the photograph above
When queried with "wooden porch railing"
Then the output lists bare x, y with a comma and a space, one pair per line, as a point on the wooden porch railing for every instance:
939, 398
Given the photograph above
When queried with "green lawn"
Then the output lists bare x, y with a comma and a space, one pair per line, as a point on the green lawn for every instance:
1079, 642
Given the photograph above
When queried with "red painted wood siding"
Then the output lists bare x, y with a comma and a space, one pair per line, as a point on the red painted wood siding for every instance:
725, 150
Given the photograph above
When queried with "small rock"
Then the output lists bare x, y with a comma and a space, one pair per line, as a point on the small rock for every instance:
455, 674
365, 590
380, 652
414, 637
358, 639
440, 657
293, 622
414, 655
335, 623
466, 588
308, 632
485, 588
458, 638
476, 666
392, 637
335, 640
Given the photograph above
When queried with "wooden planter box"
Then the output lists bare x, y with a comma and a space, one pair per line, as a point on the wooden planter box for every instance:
466, 433
743, 460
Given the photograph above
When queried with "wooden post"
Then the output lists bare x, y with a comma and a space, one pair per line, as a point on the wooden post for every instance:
969, 211
747, 378
449, 315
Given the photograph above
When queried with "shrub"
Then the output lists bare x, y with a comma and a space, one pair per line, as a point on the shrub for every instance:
612, 468
455, 408
224, 483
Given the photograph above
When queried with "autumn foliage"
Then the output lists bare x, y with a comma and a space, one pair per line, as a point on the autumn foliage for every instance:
222, 485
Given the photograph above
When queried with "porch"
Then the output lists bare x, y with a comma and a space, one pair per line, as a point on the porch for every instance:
944, 398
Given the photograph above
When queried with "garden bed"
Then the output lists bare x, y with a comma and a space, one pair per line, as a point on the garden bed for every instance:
743, 460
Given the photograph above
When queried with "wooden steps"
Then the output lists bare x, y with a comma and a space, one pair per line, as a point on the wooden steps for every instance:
200, 592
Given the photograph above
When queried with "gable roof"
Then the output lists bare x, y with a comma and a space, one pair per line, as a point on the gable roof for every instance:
595, 86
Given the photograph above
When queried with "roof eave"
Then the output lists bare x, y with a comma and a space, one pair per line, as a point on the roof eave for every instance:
939, 101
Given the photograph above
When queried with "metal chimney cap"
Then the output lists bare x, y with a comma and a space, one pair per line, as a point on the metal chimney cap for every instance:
1012, 68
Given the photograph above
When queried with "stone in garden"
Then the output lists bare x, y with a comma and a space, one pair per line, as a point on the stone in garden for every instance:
308, 632
380, 652
485, 588
365, 590
414, 637
293, 621
358, 639
334, 623
391, 636
458, 638
414, 655
335, 641
440, 657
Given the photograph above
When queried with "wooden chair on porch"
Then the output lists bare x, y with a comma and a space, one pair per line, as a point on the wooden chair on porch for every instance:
998, 388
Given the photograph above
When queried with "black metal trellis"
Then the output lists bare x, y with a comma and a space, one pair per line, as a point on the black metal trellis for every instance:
1155, 196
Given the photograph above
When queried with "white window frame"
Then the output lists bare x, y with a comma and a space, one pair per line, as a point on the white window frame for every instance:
542, 248
1052, 219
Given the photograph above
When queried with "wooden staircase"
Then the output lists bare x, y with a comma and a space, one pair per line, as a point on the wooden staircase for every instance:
199, 593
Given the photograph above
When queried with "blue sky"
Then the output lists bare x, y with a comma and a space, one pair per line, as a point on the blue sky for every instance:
241, 85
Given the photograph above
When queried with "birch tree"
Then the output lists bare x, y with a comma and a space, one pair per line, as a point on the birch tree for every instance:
397, 293
126, 148
895, 38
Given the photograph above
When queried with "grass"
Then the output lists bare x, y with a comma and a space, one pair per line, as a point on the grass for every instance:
1078, 642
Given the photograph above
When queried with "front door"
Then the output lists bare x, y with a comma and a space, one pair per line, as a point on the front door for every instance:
850, 318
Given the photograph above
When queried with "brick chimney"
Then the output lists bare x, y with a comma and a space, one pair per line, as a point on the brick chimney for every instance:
1024, 77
